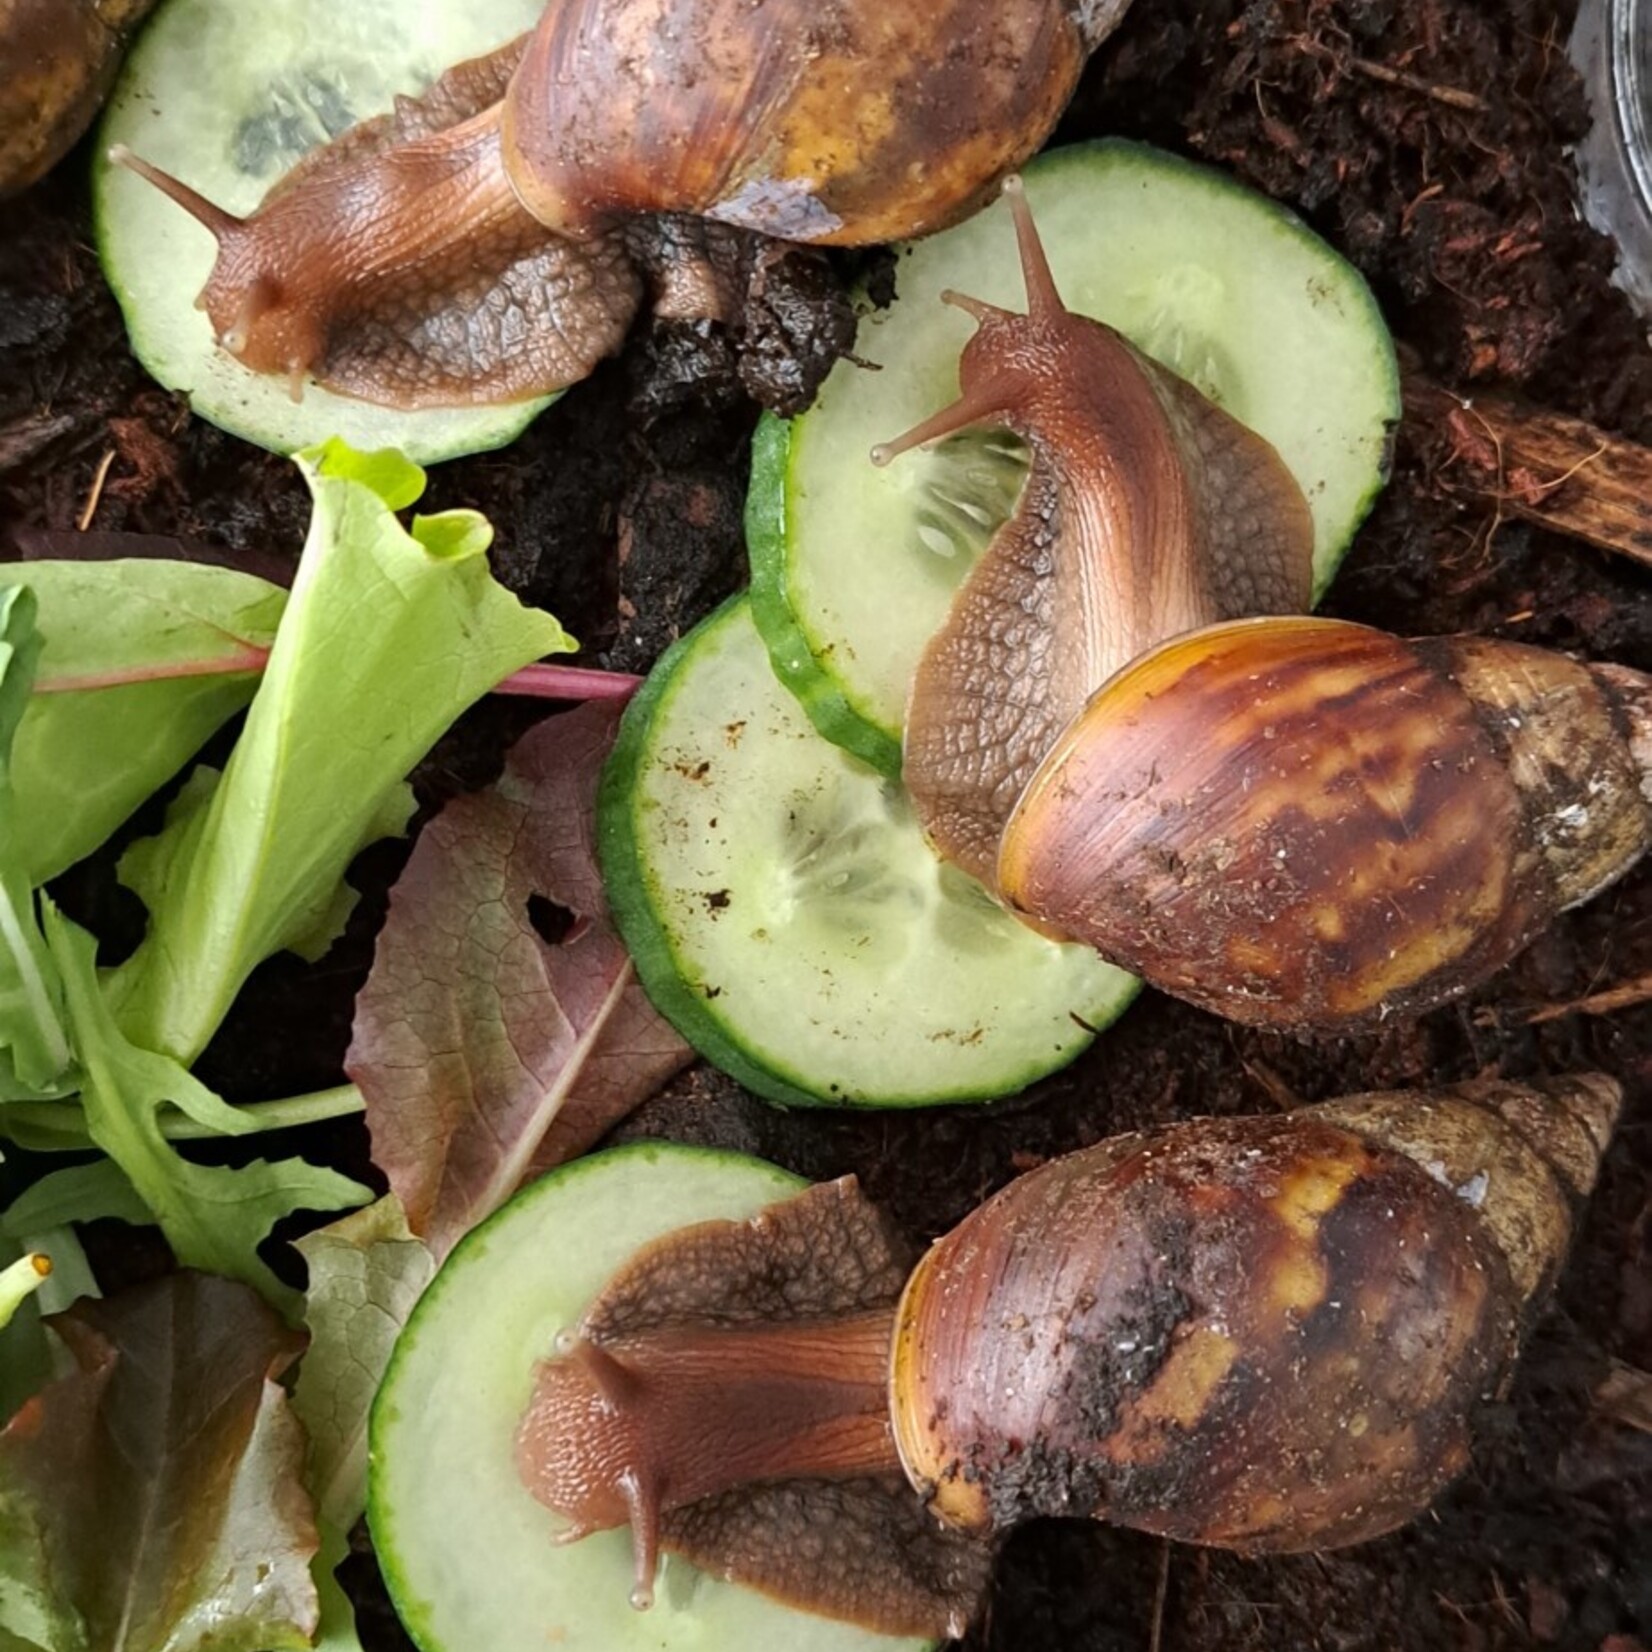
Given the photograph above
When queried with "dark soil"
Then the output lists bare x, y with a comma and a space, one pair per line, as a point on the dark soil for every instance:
1427, 139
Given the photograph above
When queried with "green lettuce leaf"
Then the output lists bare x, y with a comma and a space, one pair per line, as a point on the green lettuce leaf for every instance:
366, 1272
82, 1193
388, 635
151, 1500
213, 1216
35, 1054
96, 738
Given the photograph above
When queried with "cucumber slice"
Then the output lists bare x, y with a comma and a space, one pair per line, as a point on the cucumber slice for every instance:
786, 914
853, 568
469, 1556
226, 96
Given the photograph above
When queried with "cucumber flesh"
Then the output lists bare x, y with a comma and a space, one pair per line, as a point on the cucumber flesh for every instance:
853, 567
469, 1556
786, 914
226, 96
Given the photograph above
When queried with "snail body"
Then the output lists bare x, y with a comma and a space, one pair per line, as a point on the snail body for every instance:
491, 241
1267, 1334
1306, 822
1147, 511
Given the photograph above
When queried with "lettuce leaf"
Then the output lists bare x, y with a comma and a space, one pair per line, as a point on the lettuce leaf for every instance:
35, 1054
213, 1216
388, 635
151, 1500
366, 1272
485, 1053
82, 1193
96, 738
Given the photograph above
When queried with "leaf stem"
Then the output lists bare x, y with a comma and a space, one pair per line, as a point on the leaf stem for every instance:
248, 659
41, 1120
569, 682
536, 682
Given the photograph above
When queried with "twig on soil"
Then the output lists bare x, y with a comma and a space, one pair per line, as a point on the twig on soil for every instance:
90, 508
1559, 472
1274, 1087
1155, 1641
1452, 96
1622, 997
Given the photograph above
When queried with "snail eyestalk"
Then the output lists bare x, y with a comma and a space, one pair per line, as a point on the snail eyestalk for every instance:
984, 401
206, 213
977, 407
1043, 299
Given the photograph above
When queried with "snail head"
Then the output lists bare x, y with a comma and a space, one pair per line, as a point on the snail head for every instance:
1010, 356
270, 290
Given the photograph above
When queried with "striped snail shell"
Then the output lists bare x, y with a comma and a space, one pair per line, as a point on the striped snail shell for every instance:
1303, 822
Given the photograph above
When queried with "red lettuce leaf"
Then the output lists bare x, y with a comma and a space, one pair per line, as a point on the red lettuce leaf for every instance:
487, 1053
153, 1498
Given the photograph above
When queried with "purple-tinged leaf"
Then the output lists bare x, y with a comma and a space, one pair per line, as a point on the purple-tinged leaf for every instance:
486, 1051
153, 1498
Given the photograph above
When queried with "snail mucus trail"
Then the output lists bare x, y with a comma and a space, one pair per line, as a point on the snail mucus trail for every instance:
1268, 1334
491, 240
1288, 821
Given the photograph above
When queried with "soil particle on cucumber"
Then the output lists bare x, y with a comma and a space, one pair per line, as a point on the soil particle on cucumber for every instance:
1427, 140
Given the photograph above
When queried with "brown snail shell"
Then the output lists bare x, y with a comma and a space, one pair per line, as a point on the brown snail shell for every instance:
1268, 1334
1262, 1333
1307, 822
57, 62
830, 121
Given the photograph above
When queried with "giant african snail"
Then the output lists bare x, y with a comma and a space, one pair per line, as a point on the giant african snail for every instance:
488, 241
1286, 820
1269, 1334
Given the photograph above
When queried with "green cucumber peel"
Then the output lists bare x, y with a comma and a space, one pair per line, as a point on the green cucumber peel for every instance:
820, 693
